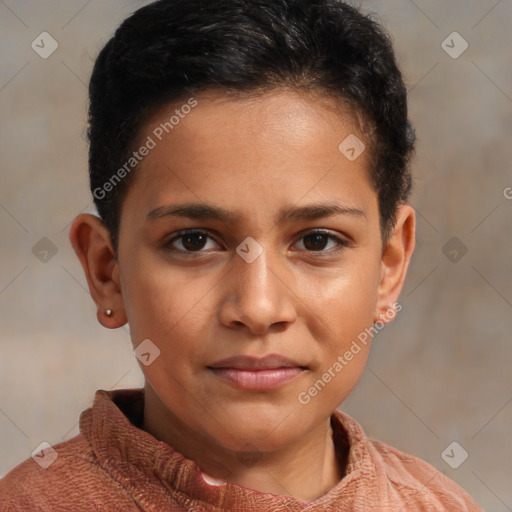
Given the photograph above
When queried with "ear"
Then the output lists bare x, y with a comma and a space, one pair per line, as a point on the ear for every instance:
395, 259
91, 241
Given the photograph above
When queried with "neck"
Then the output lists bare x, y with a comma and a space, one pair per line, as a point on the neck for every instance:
305, 469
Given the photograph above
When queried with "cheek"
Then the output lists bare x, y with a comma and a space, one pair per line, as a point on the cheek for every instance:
346, 304
346, 297
160, 298
165, 308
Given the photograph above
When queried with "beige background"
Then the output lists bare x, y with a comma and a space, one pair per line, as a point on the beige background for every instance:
439, 373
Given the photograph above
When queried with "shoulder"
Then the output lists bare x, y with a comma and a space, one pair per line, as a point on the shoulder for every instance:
57, 478
401, 481
419, 481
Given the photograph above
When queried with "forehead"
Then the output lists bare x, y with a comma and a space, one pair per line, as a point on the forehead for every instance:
282, 117
274, 148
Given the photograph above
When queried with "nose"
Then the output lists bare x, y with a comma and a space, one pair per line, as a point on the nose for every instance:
258, 296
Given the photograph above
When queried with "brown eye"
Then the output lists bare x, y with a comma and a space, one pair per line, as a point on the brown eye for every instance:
190, 241
316, 241
194, 241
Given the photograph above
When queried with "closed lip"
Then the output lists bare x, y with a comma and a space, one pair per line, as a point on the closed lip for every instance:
268, 362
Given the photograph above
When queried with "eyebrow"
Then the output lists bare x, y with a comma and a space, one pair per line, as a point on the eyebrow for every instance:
206, 211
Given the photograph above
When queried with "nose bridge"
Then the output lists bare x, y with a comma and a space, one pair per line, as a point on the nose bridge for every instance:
258, 298
256, 282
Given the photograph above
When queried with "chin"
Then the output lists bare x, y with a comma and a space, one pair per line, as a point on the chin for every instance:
267, 430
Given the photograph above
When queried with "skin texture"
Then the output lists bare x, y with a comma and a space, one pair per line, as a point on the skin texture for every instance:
251, 157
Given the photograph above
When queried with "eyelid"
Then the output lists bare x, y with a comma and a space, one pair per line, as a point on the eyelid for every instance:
179, 234
342, 241
323, 231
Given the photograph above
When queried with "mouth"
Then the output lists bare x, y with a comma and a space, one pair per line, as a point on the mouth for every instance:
257, 374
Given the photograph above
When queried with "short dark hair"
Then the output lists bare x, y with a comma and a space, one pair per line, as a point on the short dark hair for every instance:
173, 49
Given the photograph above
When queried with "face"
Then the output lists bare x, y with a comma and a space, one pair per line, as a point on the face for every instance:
250, 256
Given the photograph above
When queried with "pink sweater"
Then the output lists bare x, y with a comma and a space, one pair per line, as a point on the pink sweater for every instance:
113, 465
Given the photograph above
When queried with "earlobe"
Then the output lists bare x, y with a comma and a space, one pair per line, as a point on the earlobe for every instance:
91, 241
395, 260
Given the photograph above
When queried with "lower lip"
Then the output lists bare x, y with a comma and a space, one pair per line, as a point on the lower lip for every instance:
258, 380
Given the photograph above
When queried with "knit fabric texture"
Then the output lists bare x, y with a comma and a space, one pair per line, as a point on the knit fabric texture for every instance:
114, 465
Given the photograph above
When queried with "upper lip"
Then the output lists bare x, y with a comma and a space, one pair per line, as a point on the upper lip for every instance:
267, 362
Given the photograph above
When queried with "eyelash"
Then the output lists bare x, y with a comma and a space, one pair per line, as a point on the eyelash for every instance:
342, 243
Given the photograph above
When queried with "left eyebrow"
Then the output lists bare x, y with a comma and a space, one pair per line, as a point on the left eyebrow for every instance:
206, 211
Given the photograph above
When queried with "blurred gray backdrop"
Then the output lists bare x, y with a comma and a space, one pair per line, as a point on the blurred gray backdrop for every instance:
439, 375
